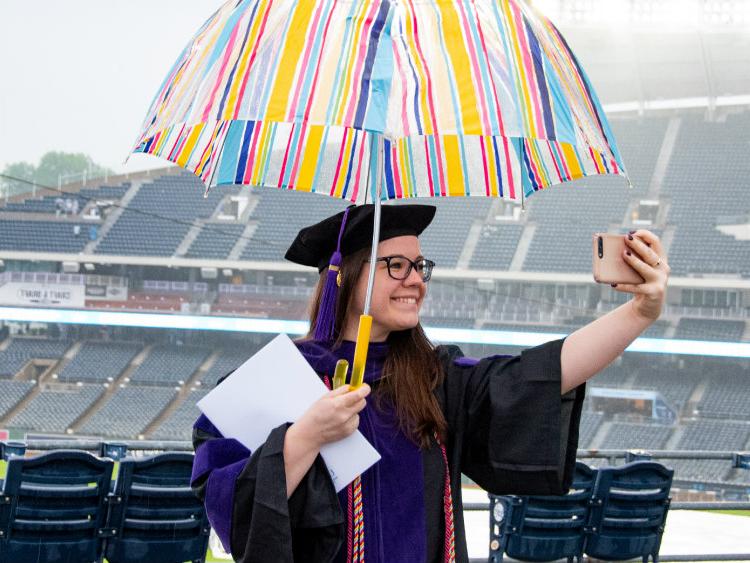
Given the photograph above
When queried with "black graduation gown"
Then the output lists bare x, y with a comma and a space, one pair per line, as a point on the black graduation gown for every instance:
510, 431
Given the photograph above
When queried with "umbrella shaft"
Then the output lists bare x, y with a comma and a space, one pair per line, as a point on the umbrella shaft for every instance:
373, 256
375, 226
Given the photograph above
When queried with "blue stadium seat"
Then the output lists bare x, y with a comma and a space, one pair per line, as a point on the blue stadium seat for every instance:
177, 200
53, 508
154, 514
215, 240
547, 528
629, 510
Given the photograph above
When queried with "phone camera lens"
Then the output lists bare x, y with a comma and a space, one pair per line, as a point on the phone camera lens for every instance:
600, 246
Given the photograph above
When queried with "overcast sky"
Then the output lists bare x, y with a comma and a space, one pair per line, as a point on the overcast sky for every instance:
78, 75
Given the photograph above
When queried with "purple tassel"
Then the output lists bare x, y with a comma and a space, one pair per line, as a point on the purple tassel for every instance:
324, 325
326, 321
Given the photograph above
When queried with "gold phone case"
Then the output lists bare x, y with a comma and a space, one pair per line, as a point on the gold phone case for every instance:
609, 265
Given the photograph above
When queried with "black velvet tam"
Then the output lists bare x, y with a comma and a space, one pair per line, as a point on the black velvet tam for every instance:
314, 245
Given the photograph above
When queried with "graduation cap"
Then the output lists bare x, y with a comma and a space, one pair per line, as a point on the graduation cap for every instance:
324, 244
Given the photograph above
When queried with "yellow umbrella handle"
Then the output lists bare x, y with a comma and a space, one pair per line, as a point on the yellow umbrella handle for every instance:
339, 376
360, 350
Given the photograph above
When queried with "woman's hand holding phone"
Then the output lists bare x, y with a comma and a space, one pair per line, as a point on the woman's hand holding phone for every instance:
644, 254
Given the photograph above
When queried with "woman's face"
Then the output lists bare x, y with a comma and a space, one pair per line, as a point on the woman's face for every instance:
395, 304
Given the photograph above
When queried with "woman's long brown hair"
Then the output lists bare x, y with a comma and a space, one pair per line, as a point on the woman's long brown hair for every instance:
411, 371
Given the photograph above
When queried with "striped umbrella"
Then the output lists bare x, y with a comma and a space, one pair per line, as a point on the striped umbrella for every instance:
381, 99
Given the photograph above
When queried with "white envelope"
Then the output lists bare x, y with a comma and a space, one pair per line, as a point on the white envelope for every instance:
275, 386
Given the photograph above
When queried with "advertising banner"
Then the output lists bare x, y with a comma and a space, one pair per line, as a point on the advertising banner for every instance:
42, 295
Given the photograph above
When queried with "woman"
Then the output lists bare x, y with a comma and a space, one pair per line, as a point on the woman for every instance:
508, 423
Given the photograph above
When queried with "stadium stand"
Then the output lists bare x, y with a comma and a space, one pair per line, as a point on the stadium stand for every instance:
98, 362
56, 407
559, 243
455, 216
712, 436
178, 426
614, 375
728, 397
449, 321
215, 240
624, 435
227, 361
657, 330
54, 203
21, 350
43, 236
590, 422
707, 155
496, 247
178, 199
168, 365
639, 141
675, 386
710, 329
11, 392
279, 221
128, 411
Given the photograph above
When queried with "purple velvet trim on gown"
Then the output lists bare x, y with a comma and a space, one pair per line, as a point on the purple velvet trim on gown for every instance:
466, 362
224, 459
393, 488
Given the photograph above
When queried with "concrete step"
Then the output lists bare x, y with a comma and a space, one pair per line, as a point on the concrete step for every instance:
242, 241
102, 400
470, 245
596, 441
524, 243
182, 395
135, 186
190, 237
665, 155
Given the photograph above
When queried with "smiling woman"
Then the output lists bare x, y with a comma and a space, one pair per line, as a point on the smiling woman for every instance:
508, 423
401, 288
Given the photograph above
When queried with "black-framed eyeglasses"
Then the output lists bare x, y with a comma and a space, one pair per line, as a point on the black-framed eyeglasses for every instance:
400, 267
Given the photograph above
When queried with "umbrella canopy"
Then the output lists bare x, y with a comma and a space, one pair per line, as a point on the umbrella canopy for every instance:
381, 99
464, 98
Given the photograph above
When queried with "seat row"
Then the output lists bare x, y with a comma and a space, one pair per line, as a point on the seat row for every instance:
65, 506
614, 513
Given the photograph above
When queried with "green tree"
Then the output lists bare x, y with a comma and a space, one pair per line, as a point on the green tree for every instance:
52, 166
23, 170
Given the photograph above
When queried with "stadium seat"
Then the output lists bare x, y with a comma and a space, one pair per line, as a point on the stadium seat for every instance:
10, 449
154, 515
53, 508
547, 528
629, 510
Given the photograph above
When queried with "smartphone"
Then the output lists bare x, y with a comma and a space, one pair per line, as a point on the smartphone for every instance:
609, 265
